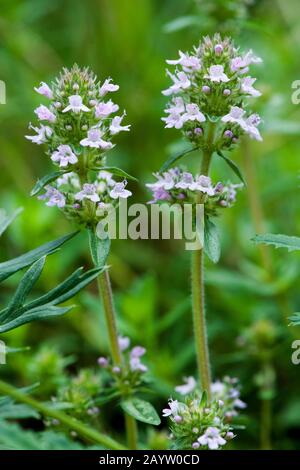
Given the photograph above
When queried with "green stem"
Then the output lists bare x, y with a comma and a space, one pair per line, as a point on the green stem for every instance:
198, 290
71, 423
266, 424
105, 291
131, 432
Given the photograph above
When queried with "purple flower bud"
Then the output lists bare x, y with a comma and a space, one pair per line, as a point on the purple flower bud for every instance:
198, 131
228, 134
102, 361
116, 370
195, 430
181, 196
206, 89
234, 140
226, 92
57, 104
93, 102
195, 445
223, 203
218, 49
177, 419
229, 435
219, 188
76, 206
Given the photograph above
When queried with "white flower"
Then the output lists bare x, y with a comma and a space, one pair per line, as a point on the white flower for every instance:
165, 181
174, 120
76, 105
250, 127
246, 86
186, 181
68, 178
203, 183
123, 342
172, 410
89, 191
212, 438
241, 64
217, 388
64, 156
239, 404
116, 127
120, 191
44, 114
56, 198
180, 82
235, 116
108, 87
43, 133
177, 105
216, 74
188, 386
105, 109
44, 90
193, 113
186, 61
94, 140
136, 364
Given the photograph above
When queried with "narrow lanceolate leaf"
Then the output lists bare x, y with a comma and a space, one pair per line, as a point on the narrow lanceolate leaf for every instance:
99, 248
279, 241
46, 180
211, 241
118, 172
295, 319
141, 410
26, 284
180, 23
38, 313
12, 266
17, 313
6, 220
174, 158
233, 166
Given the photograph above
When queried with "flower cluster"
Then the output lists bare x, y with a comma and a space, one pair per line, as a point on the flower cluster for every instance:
212, 84
77, 128
176, 185
195, 424
129, 375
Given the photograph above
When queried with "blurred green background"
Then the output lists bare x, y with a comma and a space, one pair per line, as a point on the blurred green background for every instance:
251, 292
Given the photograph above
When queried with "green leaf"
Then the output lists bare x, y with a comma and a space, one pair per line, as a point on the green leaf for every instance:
141, 410
203, 401
117, 171
295, 319
99, 248
233, 166
5, 220
46, 180
12, 266
211, 241
175, 158
25, 285
278, 240
38, 313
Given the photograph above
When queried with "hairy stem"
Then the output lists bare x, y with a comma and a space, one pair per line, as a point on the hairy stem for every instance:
131, 432
198, 290
81, 429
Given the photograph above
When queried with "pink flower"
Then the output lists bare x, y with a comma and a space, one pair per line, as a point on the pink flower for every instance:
108, 87
44, 90
216, 74
180, 82
56, 198
193, 113
76, 105
235, 116
119, 191
246, 86
124, 342
89, 191
44, 114
64, 156
186, 61
105, 109
188, 386
212, 438
43, 133
94, 140
174, 120
116, 127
